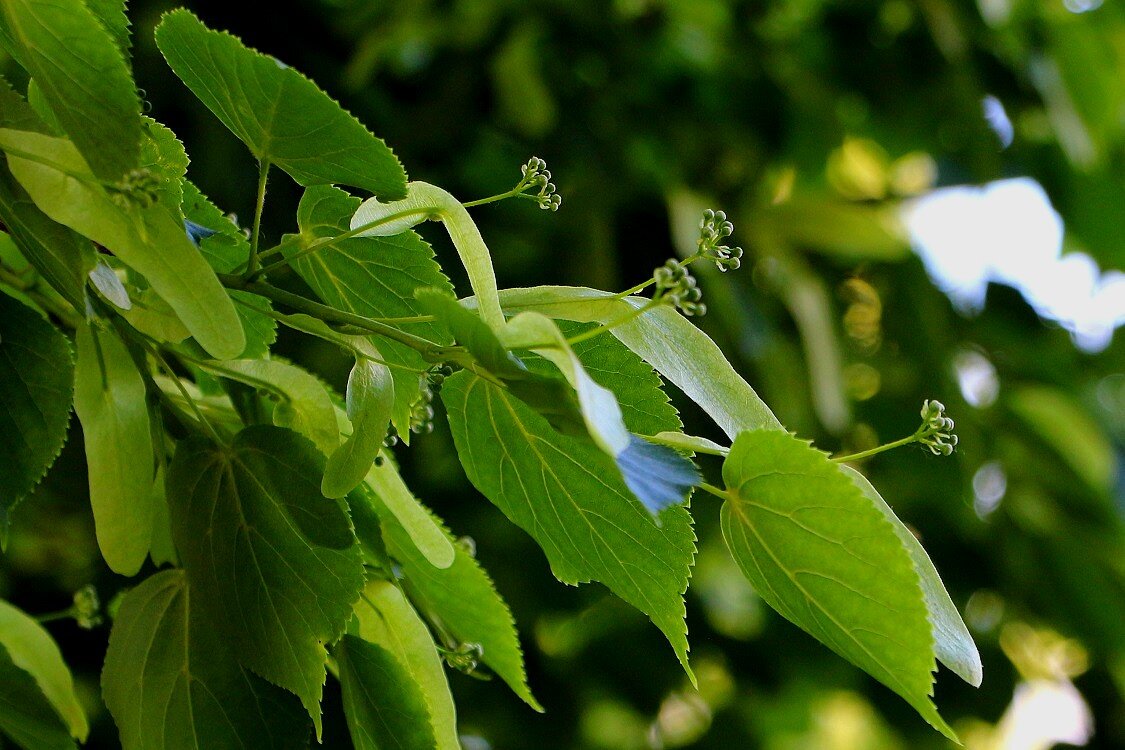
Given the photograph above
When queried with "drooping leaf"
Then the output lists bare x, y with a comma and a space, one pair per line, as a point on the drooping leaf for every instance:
281, 116
28, 647
666, 340
305, 407
384, 707
370, 400
424, 201
463, 599
26, 718
384, 617
60, 255
36, 390
388, 494
172, 681
151, 240
372, 276
818, 552
82, 76
953, 645
569, 495
109, 399
255, 507
226, 248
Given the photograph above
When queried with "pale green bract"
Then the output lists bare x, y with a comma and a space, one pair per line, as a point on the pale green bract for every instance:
370, 399
818, 552
109, 399
394, 498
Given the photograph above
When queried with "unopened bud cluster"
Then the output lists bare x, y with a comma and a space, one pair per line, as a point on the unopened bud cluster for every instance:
466, 657
536, 175
422, 413
713, 229
936, 432
675, 283
87, 608
138, 187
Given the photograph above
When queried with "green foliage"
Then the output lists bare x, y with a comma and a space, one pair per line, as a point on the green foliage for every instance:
294, 546
281, 116
36, 386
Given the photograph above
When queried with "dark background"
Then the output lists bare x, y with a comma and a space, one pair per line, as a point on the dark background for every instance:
646, 111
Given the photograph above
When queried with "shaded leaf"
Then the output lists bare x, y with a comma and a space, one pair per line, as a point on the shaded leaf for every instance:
819, 553
36, 390
109, 399
384, 617
172, 681
26, 717
384, 707
255, 507
82, 76
281, 116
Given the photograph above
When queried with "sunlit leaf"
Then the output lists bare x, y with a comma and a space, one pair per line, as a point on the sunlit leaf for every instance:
392, 496
383, 705
370, 400
281, 116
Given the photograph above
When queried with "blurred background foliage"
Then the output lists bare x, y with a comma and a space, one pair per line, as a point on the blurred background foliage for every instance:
816, 124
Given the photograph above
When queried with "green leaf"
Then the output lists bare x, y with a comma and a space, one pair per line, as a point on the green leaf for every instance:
425, 201
150, 240
254, 508
153, 316
109, 399
463, 601
172, 681
306, 407
111, 14
82, 76
390, 495
678, 350
953, 645
384, 617
818, 552
36, 390
25, 715
30, 648
227, 251
61, 256
372, 276
370, 400
384, 707
569, 495
281, 116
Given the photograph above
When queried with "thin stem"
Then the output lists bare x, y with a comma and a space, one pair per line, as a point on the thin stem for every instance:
652, 279
495, 198
210, 428
331, 315
329, 241
716, 491
632, 314
64, 614
877, 450
259, 206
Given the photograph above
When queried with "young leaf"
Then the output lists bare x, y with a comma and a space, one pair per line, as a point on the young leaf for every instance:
26, 717
425, 201
463, 601
370, 400
386, 491
306, 407
274, 562
383, 705
384, 617
372, 276
281, 116
82, 76
171, 680
36, 389
151, 240
109, 399
819, 553
31, 649
666, 340
953, 645
568, 494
